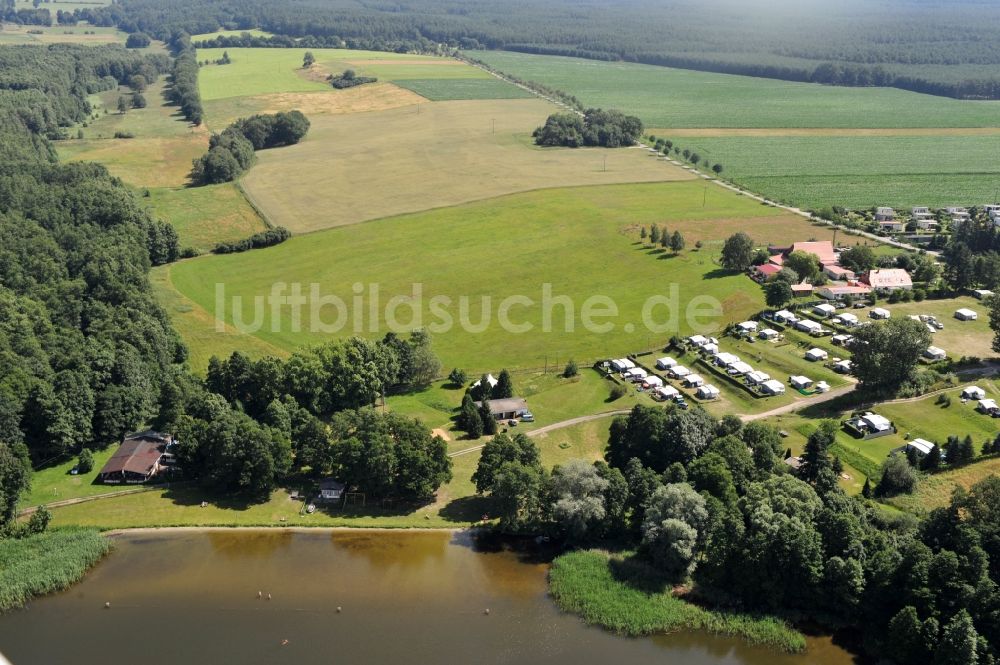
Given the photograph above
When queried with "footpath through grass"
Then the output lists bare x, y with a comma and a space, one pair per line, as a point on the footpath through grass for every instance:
627, 597
51, 561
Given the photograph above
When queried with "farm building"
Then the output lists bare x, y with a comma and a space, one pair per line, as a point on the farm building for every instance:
982, 293
800, 382
331, 489
922, 446
869, 426
665, 363
693, 381
138, 459
816, 353
772, 387
667, 392
768, 334
879, 313
838, 291
506, 409
822, 249
888, 279
707, 391
824, 309
988, 406
935, 353
739, 368
678, 371
811, 327
965, 314
757, 378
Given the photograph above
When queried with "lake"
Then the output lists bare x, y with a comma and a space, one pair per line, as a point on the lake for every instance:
408, 598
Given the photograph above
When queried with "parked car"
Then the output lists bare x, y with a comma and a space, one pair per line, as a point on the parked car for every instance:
512, 423
527, 417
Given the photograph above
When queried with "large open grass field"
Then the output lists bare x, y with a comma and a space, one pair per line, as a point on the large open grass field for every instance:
801, 143
61, 34
204, 216
361, 166
959, 338
582, 241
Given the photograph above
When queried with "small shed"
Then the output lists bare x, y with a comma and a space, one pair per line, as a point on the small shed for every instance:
965, 314
331, 489
922, 446
772, 387
973, 392
814, 354
879, 313
708, 391
800, 382
768, 334
665, 363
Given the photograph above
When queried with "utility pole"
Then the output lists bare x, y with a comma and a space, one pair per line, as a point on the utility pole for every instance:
605, 163
704, 195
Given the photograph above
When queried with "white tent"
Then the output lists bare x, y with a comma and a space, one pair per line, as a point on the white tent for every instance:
707, 391
697, 340
772, 387
843, 366
879, 313
739, 368
768, 333
849, 319
805, 325
725, 359
973, 392
693, 380
665, 363
966, 314
816, 353
935, 353
753, 378
653, 381
824, 309
748, 326
635, 374
667, 392
784, 316
987, 405
710, 347
922, 446
678, 371
800, 382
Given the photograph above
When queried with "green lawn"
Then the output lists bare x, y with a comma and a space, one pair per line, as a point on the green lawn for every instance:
936, 491
438, 89
531, 239
958, 338
258, 71
205, 216
56, 484
665, 97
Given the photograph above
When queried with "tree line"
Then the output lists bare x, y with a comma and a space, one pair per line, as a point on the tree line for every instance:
184, 78
829, 44
231, 152
710, 503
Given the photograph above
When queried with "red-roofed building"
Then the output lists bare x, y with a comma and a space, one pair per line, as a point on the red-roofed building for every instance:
766, 271
822, 249
137, 460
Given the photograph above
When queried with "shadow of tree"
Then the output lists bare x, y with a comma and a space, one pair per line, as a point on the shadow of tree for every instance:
467, 509
638, 574
718, 273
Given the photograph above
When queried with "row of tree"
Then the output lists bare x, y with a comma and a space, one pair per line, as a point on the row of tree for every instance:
231, 152
184, 78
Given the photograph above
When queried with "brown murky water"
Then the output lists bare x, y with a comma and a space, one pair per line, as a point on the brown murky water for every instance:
406, 598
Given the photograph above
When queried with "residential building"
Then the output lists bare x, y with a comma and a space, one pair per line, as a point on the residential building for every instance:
506, 409
888, 279
138, 459
884, 214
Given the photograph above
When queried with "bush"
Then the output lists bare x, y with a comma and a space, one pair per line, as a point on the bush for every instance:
349, 79
571, 369
85, 464
608, 129
275, 236
618, 391
137, 40
458, 377
124, 135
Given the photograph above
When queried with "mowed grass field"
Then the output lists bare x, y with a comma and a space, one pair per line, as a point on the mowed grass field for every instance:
579, 240
444, 89
362, 166
800, 143
61, 34
205, 216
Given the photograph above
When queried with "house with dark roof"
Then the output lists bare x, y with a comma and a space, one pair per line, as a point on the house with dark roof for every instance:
506, 409
139, 458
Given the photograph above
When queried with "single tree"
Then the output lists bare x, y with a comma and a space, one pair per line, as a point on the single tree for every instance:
654, 234
504, 389
886, 353
489, 422
676, 242
122, 104
778, 293
571, 369
737, 252
85, 463
308, 59
457, 377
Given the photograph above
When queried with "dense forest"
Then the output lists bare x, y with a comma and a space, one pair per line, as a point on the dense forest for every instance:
933, 46
709, 504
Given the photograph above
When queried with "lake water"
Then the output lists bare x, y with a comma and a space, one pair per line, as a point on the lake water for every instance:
410, 598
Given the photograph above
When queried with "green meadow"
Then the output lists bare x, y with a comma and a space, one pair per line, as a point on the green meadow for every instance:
259, 71
582, 242
666, 97
437, 89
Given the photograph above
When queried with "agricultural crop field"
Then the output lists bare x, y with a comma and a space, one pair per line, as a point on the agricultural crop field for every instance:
438, 90
509, 246
61, 34
860, 171
804, 144
434, 155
